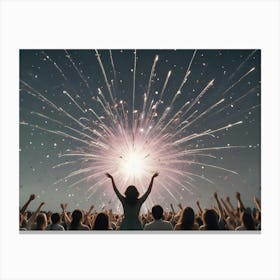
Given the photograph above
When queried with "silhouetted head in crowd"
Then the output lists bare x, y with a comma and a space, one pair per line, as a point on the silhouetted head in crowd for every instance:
210, 220
101, 222
247, 220
157, 212
41, 221
131, 194
186, 220
77, 218
55, 218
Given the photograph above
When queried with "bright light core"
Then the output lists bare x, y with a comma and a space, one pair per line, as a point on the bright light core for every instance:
133, 164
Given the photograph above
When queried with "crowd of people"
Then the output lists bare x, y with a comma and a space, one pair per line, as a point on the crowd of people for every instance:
223, 216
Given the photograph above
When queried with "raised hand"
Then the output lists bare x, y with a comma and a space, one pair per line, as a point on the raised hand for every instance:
180, 206
155, 175
215, 195
109, 175
32, 197
63, 206
42, 203
237, 195
228, 199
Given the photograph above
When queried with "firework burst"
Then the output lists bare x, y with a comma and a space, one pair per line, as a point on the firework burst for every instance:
133, 135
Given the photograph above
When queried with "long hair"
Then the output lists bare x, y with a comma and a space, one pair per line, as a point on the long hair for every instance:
131, 195
101, 222
186, 219
247, 221
211, 220
77, 217
41, 221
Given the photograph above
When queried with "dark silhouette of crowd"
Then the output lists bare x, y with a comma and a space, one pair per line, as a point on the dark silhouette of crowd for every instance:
223, 216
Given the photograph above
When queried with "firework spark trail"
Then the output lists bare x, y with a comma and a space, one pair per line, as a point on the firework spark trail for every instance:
242, 64
60, 133
133, 90
147, 94
40, 95
239, 80
187, 72
46, 117
72, 99
105, 104
164, 85
207, 132
179, 89
210, 165
152, 75
104, 75
199, 116
113, 67
78, 70
212, 148
200, 95
210, 84
59, 109
65, 163
234, 102
55, 65
107, 83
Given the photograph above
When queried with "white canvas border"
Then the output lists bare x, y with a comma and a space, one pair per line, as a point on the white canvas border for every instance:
135, 24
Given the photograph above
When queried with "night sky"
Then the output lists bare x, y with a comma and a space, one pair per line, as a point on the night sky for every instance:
49, 73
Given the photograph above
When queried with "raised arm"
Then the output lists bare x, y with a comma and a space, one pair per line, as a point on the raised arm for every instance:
221, 211
23, 209
199, 208
230, 205
146, 194
64, 214
228, 210
240, 203
257, 203
34, 215
119, 195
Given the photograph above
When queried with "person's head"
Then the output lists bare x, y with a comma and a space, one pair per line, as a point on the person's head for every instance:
210, 219
247, 220
187, 218
157, 212
77, 218
41, 221
131, 194
55, 218
101, 222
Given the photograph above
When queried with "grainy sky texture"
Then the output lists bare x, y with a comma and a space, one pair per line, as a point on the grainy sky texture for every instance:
67, 108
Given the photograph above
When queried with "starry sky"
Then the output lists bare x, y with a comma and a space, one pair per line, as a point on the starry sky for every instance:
45, 76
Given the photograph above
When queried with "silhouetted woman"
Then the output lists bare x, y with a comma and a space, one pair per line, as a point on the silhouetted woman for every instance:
41, 221
131, 204
77, 221
210, 220
101, 222
247, 222
186, 220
